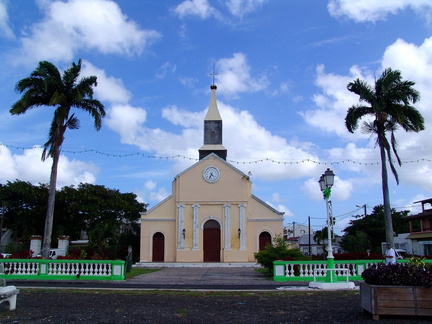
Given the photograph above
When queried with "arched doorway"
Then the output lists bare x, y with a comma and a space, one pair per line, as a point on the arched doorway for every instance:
158, 247
264, 239
212, 244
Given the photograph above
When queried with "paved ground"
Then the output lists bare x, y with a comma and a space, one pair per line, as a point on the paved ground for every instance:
223, 278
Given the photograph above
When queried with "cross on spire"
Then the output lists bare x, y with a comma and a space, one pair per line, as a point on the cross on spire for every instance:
213, 74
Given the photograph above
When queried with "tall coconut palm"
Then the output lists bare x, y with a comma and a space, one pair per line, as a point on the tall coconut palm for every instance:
46, 86
389, 104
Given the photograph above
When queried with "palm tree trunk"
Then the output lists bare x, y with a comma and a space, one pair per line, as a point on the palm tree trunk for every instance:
46, 245
386, 198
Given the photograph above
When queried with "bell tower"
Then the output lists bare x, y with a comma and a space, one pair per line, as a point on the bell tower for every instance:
213, 130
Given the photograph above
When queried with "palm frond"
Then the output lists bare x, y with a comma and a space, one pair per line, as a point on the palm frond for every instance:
354, 114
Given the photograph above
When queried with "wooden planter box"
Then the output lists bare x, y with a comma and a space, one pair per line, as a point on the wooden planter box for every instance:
396, 300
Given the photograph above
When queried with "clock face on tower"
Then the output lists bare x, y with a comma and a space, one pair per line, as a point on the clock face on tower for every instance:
211, 174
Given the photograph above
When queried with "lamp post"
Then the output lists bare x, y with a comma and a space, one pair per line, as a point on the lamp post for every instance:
326, 182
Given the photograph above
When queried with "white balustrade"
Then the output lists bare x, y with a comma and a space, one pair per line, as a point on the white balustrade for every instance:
299, 269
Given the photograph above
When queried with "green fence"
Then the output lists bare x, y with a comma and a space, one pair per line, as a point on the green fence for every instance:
305, 270
42, 269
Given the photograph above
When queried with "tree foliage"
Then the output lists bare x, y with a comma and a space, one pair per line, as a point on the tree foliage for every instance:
108, 216
389, 104
24, 208
368, 232
47, 87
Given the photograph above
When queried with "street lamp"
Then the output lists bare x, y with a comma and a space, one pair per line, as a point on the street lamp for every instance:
326, 182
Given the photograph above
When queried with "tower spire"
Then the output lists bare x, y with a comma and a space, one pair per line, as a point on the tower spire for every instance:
213, 128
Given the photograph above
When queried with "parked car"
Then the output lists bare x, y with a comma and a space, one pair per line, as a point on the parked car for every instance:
54, 253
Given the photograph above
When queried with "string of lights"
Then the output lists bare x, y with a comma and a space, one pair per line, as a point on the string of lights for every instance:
179, 156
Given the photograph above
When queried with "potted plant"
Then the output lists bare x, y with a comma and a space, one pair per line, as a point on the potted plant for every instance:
398, 289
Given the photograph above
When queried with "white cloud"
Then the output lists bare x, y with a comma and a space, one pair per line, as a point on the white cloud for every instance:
101, 26
197, 8
108, 88
333, 102
5, 28
234, 76
239, 8
166, 68
245, 138
414, 62
371, 10
341, 190
29, 167
126, 121
151, 193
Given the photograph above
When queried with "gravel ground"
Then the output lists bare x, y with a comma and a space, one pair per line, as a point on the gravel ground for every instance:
89, 306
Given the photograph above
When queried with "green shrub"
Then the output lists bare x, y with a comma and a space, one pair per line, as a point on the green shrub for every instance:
278, 251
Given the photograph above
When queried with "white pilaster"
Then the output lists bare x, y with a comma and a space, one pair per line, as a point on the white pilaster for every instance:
242, 226
195, 226
227, 226
180, 242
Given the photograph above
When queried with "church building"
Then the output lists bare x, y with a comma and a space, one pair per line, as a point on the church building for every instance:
211, 215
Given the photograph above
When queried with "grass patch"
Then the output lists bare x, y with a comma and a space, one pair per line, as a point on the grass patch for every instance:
139, 271
183, 312
265, 271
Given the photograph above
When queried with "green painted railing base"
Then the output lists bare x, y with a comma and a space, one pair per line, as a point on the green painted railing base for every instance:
42, 269
279, 274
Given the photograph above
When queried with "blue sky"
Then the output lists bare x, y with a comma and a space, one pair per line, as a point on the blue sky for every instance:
282, 69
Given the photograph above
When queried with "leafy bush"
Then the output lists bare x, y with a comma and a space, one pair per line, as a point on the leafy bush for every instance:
278, 251
26, 254
413, 273
74, 254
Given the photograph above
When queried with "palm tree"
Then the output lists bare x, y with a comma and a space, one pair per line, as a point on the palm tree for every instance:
321, 236
390, 106
47, 87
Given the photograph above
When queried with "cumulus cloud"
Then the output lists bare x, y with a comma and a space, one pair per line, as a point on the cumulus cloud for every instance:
108, 88
151, 193
367, 10
333, 100
244, 138
5, 28
197, 8
234, 76
239, 8
101, 26
341, 190
29, 167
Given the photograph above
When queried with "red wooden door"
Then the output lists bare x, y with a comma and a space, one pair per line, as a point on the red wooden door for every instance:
158, 247
212, 244
264, 239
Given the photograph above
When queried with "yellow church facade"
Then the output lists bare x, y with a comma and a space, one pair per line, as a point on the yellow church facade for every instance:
211, 215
